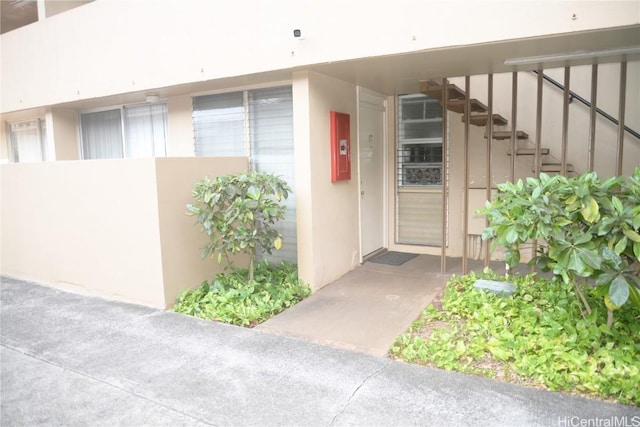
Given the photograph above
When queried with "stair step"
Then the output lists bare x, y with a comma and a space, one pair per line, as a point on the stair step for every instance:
529, 152
434, 90
481, 119
555, 167
476, 106
456, 97
506, 134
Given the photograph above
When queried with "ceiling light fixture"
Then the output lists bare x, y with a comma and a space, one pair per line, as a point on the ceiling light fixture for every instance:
152, 97
573, 56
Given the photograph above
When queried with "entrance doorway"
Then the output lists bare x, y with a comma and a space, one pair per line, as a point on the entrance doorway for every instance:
371, 143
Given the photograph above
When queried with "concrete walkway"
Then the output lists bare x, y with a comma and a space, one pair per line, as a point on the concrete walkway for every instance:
71, 360
366, 309
369, 307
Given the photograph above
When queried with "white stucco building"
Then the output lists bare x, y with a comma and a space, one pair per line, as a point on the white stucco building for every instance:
111, 108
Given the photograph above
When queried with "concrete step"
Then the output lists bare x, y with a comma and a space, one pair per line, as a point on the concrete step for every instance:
506, 134
455, 94
529, 152
555, 168
434, 90
481, 119
457, 105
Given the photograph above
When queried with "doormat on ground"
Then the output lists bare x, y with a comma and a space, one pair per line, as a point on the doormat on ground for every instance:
393, 258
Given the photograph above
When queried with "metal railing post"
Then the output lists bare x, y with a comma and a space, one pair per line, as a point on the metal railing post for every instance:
592, 116
538, 157
488, 170
565, 122
514, 125
465, 204
445, 189
621, 111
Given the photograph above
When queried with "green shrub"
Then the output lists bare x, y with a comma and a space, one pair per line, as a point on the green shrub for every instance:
588, 231
238, 213
532, 337
233, 298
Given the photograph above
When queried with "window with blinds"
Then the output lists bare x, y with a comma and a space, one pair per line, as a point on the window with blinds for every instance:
27, 141
419, 177
419, 141
126, 132
258, 124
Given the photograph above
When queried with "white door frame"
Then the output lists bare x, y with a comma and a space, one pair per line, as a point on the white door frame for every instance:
378, 101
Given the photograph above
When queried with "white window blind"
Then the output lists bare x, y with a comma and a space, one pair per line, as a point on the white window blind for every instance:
28, 141
258, 124
131, 132
271, 142
218, 122
145, 130
102, 135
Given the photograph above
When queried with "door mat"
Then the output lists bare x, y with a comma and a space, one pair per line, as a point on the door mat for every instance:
393, 258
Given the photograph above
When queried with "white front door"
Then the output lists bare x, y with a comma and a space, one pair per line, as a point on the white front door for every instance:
371, 143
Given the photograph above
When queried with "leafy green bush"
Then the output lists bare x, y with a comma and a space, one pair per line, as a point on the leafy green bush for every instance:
233, 298
588, 231
238, 212
531, 337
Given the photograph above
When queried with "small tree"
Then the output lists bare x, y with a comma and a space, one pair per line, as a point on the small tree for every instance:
587, 229
238, 211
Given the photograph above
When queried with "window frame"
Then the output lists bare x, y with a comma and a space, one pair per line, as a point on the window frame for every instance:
122, 126
428, 143
251, 150
41, 132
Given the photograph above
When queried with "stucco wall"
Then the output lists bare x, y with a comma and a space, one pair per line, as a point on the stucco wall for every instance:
4, 143
88, 226
138, 45
328, 223
113, 228
180, 235
64, 124
180, 126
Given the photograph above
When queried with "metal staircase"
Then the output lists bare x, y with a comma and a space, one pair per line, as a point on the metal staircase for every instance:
497, 127
479, 116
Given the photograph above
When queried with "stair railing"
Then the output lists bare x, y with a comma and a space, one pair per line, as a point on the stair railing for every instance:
573, 95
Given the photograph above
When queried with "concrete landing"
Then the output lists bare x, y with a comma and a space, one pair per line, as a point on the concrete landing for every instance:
366, 309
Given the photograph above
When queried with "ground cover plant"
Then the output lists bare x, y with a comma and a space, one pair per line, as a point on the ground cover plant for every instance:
233, 298
539, 336
239, 212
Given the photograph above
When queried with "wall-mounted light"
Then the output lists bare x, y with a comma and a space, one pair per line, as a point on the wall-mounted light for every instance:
152, 97
298, 34
572, 56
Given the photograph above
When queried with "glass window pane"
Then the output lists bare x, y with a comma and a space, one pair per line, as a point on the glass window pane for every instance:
419, 166
419, 154
262, 129
218, 125
101, 135
271, 137
412, 111
145, 130
27, 141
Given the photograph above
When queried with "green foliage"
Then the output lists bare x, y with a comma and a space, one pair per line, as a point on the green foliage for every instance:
586, 229
233, 298
530, 337
238, 212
